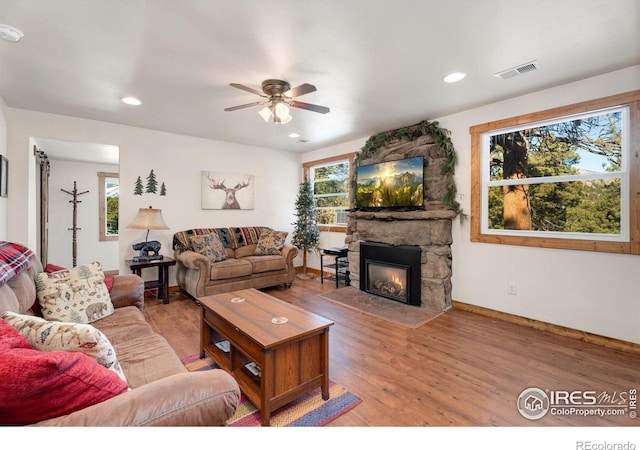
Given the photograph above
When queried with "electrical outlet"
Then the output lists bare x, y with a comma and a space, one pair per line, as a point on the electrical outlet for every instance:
512, 289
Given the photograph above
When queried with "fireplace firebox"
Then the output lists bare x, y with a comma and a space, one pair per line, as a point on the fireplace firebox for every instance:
391, 271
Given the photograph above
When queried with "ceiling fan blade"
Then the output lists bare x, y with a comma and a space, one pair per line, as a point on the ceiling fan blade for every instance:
247, 88
301, 90
233, 108
310, 107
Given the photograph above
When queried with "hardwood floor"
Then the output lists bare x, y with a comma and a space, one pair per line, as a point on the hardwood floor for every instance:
460, 369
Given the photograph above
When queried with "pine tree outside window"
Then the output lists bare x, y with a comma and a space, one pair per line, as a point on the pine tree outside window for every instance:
563, 178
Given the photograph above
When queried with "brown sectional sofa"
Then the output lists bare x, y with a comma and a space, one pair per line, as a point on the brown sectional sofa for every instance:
199, 276
162, 391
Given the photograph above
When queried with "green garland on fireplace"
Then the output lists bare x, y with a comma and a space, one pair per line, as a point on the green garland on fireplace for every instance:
440, 136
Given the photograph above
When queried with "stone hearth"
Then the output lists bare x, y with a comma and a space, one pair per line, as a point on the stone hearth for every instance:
430, 229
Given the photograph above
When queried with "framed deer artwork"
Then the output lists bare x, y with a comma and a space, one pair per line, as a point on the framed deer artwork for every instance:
221, 190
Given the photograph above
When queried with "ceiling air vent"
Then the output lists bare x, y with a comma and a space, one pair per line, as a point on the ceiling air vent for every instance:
519, 70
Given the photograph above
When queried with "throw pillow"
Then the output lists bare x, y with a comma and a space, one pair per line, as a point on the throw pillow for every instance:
108, 279
208, 245
71, 337
270, 243
76, 295
49, 268
41, 385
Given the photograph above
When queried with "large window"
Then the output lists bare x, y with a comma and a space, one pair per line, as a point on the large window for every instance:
330, 183
560, 178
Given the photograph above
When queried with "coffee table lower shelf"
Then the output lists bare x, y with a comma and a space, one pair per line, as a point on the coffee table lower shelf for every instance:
252, 385
248, 382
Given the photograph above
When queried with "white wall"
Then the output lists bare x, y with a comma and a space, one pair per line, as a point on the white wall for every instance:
89, 247
3, 151
176, 159
589, 291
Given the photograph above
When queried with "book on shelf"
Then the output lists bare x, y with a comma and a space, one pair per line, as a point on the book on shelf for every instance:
253, 368
224, 346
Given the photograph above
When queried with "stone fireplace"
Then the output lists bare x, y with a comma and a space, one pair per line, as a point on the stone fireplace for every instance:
427, 230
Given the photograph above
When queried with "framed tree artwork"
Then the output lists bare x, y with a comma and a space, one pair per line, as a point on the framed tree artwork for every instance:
4, 176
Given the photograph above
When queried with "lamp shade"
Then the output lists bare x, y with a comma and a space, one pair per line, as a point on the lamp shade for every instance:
149, 219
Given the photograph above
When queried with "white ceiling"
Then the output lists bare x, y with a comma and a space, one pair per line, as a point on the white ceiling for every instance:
378, 64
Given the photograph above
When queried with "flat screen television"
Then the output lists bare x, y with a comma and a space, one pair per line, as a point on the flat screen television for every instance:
392, 184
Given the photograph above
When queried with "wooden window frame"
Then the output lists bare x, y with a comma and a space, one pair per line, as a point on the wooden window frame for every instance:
632, 246
306, 167
102, 213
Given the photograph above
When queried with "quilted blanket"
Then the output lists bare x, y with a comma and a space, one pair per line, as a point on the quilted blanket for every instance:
14, 259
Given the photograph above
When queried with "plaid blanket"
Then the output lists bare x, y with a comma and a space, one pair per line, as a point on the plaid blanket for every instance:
14, 259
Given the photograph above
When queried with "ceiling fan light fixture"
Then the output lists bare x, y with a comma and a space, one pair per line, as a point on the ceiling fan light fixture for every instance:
265, 113
282, 110
279, 97
282, 113
284, 119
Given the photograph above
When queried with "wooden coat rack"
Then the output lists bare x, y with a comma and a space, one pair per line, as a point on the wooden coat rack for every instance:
75, 228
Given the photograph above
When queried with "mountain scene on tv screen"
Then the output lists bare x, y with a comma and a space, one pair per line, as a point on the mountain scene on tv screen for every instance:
390, 184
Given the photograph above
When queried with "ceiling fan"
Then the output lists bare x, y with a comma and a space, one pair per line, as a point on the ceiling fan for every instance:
278, 96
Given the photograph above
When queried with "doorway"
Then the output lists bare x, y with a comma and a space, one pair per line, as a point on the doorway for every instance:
74, 237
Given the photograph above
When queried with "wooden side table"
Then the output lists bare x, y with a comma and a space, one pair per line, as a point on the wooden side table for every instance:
162, 283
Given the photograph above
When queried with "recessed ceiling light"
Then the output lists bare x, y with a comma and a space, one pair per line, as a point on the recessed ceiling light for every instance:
131, 101
294, 135
454, 77
10, 34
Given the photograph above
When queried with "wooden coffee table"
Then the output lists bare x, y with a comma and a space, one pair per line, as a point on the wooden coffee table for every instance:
276, 351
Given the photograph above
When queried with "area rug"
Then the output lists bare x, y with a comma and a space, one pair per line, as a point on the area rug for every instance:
310, 410
400, 313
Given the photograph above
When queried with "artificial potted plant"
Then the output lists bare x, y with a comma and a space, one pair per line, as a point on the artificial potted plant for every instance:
306, 234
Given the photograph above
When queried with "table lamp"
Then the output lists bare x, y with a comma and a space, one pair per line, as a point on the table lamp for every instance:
148, 219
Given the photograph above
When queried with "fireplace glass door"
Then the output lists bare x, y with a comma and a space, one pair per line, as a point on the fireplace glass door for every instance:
388, 280
391, 271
